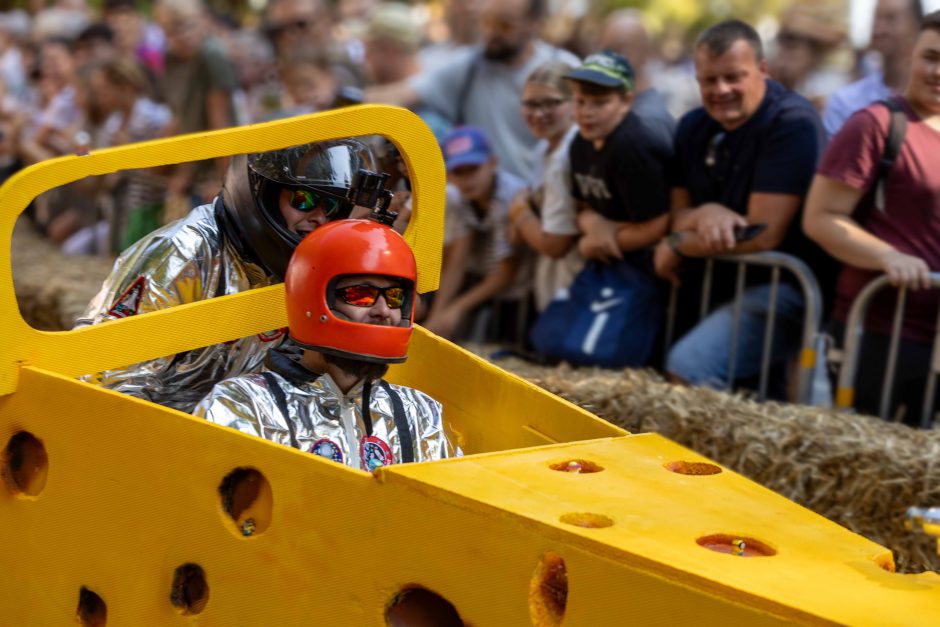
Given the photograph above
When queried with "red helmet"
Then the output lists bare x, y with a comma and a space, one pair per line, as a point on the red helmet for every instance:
341, 249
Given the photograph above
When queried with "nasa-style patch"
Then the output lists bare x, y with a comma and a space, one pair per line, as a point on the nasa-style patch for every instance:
375, 453
128, 303
270, 336
324, 447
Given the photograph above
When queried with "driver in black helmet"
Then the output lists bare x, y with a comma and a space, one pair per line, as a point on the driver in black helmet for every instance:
240, 241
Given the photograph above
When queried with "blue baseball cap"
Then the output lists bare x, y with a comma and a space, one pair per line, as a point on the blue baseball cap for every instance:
466, 145
606, 68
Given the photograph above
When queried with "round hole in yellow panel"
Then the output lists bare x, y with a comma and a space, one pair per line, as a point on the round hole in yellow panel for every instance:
25, 464
548, 591
587, 520
416, 606
248, 501
577, 466
190, 591
693, 468
92, 610
739, 545
886, 562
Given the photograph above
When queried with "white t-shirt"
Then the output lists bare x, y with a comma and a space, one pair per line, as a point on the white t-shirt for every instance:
558, 216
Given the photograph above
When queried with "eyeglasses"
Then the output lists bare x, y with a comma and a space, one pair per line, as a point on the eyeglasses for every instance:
500, 25
275, 30
366, 295
542, 106
307, 200
711, 154
793, 40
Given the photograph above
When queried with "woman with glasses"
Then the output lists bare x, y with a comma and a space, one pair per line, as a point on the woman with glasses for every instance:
240, 241
544, 215
350, 292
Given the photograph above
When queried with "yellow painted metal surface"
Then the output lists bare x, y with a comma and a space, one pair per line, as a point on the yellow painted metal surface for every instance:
113, 495
807, 358
845, 397
221, 319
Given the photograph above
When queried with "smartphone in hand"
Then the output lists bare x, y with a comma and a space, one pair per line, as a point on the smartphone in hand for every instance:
749, 232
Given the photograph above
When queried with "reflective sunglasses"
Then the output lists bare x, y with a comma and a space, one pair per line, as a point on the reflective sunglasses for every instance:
366, 295
307, 200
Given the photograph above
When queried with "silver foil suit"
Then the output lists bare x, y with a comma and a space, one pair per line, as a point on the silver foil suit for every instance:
184, 262
325, 421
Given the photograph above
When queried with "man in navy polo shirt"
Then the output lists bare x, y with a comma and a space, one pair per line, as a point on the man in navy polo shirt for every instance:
745, 158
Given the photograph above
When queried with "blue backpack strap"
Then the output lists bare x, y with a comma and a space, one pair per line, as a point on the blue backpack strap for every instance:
405, 439
897, 129
281, 401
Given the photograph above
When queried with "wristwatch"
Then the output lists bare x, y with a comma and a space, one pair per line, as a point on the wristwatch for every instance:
672, 241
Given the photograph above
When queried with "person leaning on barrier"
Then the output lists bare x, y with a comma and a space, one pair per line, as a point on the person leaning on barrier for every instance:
887, 225
350, 292
746, 157
240, 241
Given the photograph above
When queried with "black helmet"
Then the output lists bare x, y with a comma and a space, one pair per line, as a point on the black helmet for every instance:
341, 171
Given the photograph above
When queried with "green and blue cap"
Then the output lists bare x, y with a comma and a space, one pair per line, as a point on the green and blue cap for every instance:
605, 68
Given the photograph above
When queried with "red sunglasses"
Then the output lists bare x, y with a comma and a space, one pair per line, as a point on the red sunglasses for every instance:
366, 295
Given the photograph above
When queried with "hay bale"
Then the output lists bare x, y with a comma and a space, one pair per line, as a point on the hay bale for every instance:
52, 289
858, 471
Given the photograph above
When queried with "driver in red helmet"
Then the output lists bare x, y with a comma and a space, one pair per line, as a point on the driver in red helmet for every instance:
350, 292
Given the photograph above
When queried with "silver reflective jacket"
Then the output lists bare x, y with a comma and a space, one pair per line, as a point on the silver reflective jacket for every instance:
183, 262
325, 421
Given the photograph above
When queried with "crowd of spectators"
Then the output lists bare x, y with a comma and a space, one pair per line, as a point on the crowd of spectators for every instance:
604, 147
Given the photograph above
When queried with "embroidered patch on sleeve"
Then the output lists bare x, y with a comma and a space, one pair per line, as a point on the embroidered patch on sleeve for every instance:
128, 303
270, 336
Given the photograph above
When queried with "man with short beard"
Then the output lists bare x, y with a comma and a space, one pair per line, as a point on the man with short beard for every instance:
350, 293
482, 85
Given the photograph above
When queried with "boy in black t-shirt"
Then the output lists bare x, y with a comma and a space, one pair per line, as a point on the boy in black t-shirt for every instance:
614, 308
618, 165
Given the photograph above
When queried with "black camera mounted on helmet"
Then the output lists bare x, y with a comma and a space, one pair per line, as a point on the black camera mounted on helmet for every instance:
368, 190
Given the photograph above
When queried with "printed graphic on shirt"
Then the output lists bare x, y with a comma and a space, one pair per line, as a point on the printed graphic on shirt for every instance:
592, 187
128, 303
324, 447
375, 453
270, 336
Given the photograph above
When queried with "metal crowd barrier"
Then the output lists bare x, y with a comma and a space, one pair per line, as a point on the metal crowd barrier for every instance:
854, 330
812, 317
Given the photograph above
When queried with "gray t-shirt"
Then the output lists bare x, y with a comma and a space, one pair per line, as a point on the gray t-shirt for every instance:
492, 100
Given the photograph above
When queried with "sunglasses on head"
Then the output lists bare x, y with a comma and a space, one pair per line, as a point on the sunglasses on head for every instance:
307, 200
366, 295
